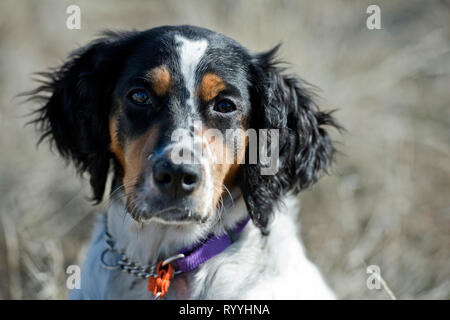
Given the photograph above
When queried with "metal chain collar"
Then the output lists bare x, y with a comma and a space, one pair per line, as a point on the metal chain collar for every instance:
129, 266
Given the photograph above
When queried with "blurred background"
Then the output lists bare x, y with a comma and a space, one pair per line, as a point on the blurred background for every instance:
387, 200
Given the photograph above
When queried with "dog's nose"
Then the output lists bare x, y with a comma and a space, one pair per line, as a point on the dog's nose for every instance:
176, 180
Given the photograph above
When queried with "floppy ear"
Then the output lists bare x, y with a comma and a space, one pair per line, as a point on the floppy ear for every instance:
77, 101
305, 148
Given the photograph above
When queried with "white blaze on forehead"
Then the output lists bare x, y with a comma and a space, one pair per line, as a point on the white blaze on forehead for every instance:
190, 53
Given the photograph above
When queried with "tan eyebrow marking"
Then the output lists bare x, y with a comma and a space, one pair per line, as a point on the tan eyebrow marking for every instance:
160, 79
211, 86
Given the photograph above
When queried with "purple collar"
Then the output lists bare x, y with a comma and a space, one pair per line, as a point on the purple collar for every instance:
192, 257
195, 255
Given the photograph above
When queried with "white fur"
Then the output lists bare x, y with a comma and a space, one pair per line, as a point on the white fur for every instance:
253, 267
190, 53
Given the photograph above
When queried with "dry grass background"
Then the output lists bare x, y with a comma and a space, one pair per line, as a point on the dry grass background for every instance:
387, 200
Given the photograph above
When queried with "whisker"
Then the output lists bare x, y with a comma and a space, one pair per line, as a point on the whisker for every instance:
122, 186
220, 205
229, 193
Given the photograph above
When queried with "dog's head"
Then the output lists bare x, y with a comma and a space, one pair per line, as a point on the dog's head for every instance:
170, 109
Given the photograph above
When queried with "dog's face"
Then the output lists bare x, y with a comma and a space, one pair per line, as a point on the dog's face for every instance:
161, 104
174, 90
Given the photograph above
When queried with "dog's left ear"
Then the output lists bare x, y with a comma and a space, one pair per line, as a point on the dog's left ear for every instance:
282, 102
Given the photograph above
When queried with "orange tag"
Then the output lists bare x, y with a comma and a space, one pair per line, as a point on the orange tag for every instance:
161, 282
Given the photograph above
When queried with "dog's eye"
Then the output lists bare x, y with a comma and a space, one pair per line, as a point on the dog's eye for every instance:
224, 106
139, 96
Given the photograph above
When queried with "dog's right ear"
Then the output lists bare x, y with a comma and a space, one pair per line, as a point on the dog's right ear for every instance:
77, 102
283, 102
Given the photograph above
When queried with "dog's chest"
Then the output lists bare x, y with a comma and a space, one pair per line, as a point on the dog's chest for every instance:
218, 278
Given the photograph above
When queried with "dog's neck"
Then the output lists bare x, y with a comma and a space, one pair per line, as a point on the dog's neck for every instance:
148, 243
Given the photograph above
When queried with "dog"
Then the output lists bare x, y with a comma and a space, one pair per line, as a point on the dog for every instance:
198, 229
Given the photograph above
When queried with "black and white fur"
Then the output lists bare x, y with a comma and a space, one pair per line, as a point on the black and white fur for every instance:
268, 260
